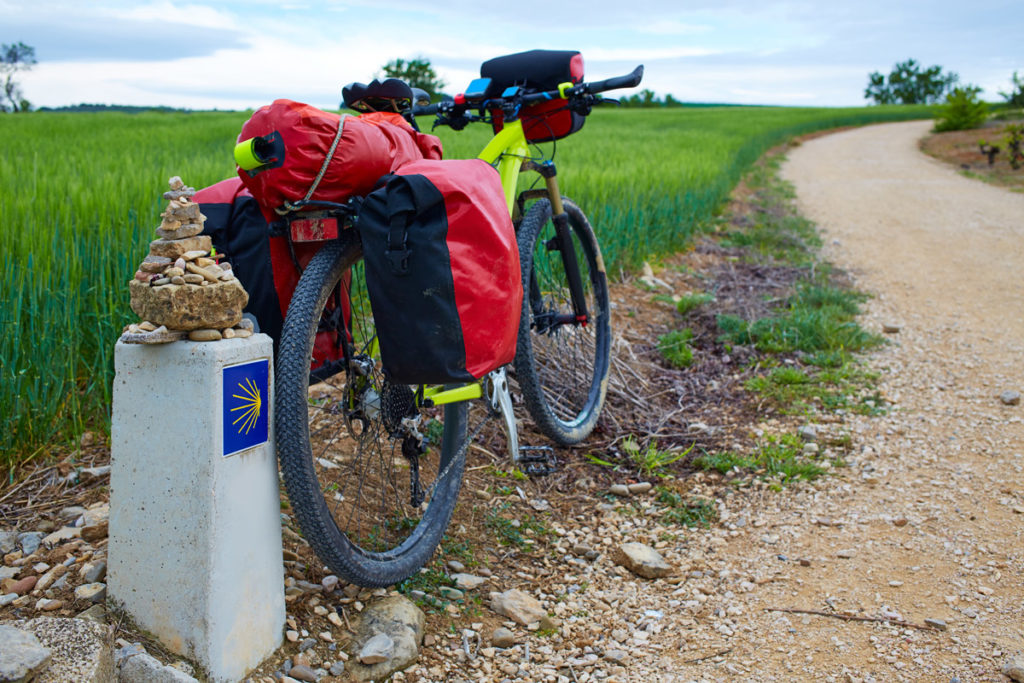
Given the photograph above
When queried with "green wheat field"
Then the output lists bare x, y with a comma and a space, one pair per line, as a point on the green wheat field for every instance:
80, 196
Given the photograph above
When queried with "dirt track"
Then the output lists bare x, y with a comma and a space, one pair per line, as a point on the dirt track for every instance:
932, 510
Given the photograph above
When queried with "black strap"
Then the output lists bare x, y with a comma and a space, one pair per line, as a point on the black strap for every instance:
408, 197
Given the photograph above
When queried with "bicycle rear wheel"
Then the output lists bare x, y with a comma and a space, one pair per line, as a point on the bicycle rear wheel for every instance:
562, 361
372, 478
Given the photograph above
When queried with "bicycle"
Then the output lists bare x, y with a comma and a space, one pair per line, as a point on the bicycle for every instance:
342, 430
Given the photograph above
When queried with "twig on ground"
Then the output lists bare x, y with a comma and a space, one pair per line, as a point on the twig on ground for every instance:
710, 656
850, 617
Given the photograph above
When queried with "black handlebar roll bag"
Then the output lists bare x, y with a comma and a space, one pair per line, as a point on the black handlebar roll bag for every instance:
442, 271
537, 71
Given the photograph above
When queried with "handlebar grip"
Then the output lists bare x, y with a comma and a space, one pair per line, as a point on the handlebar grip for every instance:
628, 81
428, 110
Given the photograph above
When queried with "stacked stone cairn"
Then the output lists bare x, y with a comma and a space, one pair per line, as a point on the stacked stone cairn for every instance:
181, 288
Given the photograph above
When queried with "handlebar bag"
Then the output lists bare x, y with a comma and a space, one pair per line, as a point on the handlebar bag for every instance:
442, 271
537, 71
328, 157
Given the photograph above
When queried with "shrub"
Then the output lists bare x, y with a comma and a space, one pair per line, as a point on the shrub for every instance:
962, 110
675, 347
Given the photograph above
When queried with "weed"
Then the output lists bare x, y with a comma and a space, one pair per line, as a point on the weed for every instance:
675, 347
777, 457
685, 512
693, 301
514, 531
651, 460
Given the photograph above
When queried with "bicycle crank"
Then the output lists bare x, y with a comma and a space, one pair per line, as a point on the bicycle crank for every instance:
501, 403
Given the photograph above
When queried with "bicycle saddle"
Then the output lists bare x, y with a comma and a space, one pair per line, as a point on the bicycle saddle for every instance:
391, 95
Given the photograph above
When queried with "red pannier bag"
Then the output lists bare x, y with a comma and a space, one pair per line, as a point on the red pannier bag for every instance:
442, 272
539, 71
360, 150
265, 265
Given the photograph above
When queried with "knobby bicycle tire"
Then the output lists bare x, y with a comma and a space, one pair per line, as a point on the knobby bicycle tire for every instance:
340, 440
562, 368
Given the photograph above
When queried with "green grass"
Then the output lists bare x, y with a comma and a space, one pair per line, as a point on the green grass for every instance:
510, 531
680, 511
693, 301
675, 348
777, 457
651, 460
81, 198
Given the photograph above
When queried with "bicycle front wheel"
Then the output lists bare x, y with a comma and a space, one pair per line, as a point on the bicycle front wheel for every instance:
562, 357
372, 478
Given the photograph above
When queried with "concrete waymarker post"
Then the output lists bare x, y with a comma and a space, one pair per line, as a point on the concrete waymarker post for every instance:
195, 526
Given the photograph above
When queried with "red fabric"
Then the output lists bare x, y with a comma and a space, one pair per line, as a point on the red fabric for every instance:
542, 122
224, 192
484, 258
368, 149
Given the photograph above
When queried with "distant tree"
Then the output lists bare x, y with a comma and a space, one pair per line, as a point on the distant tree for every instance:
416, 72
1016, 96
671, 101
909, 84
14, 58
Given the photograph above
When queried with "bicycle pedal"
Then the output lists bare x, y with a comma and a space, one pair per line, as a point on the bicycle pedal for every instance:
540, 465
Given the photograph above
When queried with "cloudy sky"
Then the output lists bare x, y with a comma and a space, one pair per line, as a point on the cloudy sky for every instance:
235, 54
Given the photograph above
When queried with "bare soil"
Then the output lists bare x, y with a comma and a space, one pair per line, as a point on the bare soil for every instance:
962, 149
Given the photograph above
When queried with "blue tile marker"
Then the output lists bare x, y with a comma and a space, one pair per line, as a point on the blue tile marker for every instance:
246, 405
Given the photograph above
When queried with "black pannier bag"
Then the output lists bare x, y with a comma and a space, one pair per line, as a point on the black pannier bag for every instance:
537, 70
442, 271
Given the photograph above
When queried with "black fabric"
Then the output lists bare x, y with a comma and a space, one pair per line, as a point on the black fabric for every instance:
240, 232
538, 70
414, 308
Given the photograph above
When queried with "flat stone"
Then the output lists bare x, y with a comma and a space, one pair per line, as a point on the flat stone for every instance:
337, 668
194, 254
8, 542
7, 599
302, 672
91, 592
807, 433
378, 649
449, 593
398, 618
47, 579
48, 605
938, 624
9, 572
96, 613
199, 270
619, 490
467, 581
95, 532
891, 328
502, 637
189, 308
22, 656
89, 474
193, 279
640, 487
155, 264
175, 248
846, 554
518, 606
144, 668
181, 232
1010, 398
642, 560
60, 535
93, 572
617, 656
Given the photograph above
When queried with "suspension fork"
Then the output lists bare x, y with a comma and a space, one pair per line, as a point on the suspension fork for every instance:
563, 243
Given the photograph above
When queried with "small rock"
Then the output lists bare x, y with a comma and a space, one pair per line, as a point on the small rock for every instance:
47, 605
450, 593
7, 599
1014, 669
326, 636
502, 637
60, 535
307, 644
805, 563
95, 532
337, 668
378, 649
329, 582
891, 328
467, 581
456, 566
640, 488
22, 656
1010, 398
302, 673
518, 606
938, 624
30, 541
90, 474
97, 613
620, 635
8, 542
807, 433
810, 449
205, 335
846, 554
73, 512
292, 636
144, 668
93, 572
900, 521
22, 586
619, 490
616, 656
642, 560
91, 592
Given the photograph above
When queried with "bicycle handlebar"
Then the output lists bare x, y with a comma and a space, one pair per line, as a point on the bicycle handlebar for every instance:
630, 80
